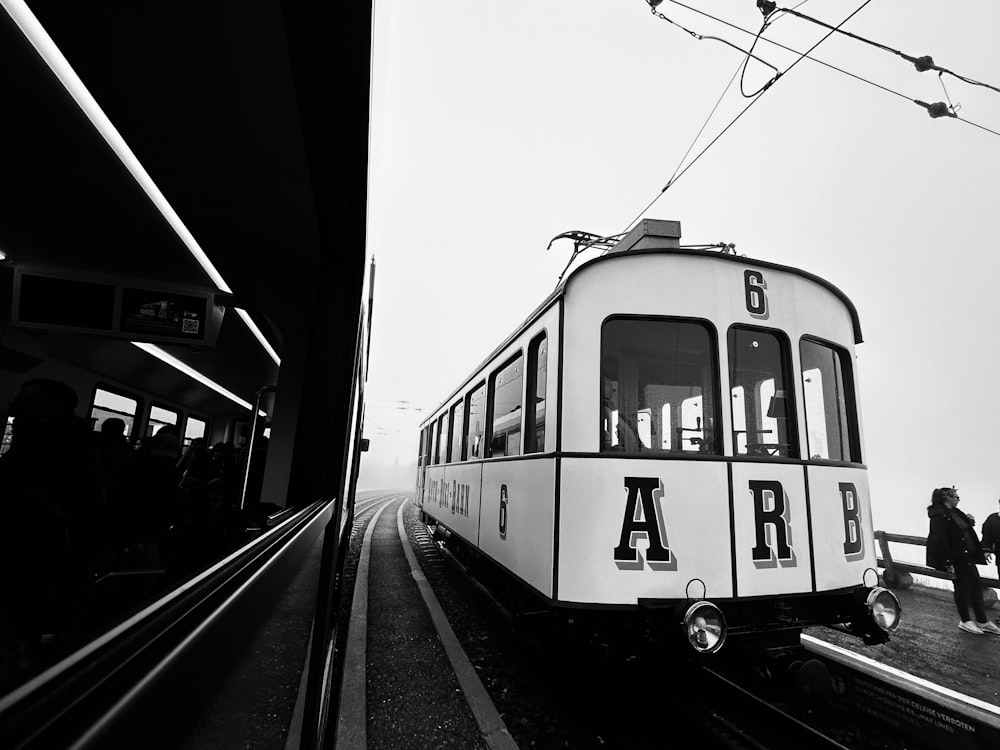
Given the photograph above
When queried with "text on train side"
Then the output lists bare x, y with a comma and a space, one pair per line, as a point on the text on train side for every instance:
773, 541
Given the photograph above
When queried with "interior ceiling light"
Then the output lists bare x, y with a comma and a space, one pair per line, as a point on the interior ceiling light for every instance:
171, 360
54, 58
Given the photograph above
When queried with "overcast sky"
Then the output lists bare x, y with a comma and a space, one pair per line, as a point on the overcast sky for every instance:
496, 126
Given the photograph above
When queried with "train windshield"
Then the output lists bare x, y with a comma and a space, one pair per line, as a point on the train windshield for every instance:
831, 421
763, 410
657, 386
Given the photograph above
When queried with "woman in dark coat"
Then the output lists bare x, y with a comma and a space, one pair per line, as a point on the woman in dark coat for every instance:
953, 547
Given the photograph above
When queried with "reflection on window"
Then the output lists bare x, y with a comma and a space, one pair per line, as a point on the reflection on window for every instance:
657, 386
830, 415
761, 397
505, 401
458, 432
160, 418
535, 428
108, 405
8, 434
477, 421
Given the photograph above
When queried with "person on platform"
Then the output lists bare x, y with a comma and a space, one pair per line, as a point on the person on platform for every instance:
991, 538
953, 547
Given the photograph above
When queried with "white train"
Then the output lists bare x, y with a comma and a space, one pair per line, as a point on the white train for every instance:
672, 433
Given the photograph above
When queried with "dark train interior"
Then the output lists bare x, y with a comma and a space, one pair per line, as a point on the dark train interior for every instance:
183, 197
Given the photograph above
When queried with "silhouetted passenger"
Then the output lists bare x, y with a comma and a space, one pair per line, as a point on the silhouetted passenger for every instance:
953, 547
49, 501
153, 495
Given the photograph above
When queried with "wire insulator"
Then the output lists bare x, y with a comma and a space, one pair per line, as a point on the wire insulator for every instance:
937, 109
923, 64
766, 7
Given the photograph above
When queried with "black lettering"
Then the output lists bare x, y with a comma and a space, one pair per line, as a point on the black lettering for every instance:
763, 490
503, 511
853, 542
754, 286
642, 519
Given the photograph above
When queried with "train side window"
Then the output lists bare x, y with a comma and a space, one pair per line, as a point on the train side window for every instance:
194, 427
761, 396
458, 432
504, 406
160, 417
476, 420
108, 404
444, 441
534, 428
658, 386
827, 388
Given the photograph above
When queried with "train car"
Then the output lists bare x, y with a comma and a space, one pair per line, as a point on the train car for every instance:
672, 437
183, 258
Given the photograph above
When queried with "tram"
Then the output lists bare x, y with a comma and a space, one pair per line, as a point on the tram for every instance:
183, 257
671, 437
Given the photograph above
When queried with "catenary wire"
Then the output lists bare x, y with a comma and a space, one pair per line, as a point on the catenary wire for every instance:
826, 64
922, 64
753, 101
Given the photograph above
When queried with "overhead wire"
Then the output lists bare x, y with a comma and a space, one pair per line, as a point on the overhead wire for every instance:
653, 4
829, 65
922, 64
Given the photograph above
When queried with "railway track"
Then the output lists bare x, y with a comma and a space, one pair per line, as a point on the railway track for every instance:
783, 704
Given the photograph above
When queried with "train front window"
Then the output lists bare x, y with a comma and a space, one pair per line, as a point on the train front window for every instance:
761, 395
831, 419
505, 406
658, 386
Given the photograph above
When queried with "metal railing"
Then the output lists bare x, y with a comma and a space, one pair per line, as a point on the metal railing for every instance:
899, 574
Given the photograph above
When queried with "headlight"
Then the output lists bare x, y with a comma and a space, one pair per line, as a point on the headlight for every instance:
883, 607
705, 627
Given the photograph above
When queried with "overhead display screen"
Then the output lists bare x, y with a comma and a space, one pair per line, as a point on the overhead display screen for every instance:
146, 312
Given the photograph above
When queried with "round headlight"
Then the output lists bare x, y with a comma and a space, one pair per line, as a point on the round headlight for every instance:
705, 627
883, 608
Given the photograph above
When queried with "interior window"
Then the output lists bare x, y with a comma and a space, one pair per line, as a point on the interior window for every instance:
194, 428
657, 386
159, 417
831, 421
109, 405
761, 396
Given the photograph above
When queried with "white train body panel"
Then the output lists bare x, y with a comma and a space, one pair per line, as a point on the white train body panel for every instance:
842, 531
691, 500
452, 495
771, 529
518, 518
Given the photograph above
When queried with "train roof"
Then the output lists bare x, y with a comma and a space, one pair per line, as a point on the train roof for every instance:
652, 237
